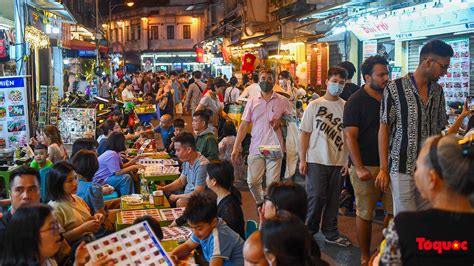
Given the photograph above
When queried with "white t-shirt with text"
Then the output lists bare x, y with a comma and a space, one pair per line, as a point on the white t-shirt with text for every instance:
323, 119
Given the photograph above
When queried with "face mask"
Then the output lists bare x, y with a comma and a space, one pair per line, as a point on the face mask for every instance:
335, 89
266, 86
282, 83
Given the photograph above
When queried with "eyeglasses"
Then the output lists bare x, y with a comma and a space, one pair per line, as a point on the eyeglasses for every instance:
54, 229
443, 66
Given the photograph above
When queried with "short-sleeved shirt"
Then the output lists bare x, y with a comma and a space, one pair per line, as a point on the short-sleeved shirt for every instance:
91, 193
250, 92
213, 105
176, 93
349, 89
410, 121
323, 119
103, 143
363, 112
231, 95
109, 163
260, 113
195, 174
127, 94
34, 164
165, 132
71, 214
222, 243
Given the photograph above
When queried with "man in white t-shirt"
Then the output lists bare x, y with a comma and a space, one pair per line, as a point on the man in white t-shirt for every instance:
251, 91
323, 156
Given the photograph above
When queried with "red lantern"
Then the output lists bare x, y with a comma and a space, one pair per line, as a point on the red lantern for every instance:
200, 55
248, 63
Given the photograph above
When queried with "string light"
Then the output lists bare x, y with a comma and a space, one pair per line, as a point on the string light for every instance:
36, 38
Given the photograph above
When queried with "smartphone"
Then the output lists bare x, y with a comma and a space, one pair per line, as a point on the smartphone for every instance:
470, 103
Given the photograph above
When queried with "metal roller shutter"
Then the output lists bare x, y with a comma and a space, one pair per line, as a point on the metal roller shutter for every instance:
414, 55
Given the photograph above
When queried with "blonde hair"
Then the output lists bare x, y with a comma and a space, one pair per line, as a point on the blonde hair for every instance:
52, 132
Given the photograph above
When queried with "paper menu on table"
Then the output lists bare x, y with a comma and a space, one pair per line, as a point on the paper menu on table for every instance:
176, 233
171, 214
129, 216
134, 245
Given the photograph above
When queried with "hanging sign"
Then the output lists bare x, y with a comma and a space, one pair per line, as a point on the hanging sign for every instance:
13, 112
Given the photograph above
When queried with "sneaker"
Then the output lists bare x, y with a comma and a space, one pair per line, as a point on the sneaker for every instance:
340, 241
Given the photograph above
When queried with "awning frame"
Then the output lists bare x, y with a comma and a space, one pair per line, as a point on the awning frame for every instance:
54, 7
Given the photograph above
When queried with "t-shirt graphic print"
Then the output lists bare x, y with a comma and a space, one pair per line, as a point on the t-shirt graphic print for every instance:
323, 119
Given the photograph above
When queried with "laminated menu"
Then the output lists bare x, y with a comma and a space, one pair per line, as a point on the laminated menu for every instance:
156, 170
171, 214
162, 162
176, 233
128, 217
135, 245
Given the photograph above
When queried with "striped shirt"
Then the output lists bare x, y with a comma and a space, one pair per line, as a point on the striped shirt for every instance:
410, 121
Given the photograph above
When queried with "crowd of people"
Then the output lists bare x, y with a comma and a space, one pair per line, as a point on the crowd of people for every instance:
387, 141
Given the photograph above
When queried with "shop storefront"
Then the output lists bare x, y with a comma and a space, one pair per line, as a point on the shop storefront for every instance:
170, 61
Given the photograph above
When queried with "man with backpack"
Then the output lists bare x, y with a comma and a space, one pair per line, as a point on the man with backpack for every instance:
194, 94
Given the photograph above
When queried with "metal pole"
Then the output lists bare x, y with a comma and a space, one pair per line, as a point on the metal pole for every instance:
19, 9
97, 39
110, 41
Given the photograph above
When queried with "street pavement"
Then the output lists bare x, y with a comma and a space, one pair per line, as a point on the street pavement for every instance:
333, 254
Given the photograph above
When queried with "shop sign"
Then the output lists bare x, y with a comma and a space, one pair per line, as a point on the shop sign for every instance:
319, 69
369, 48
429, 24
87, 53
13, 112
373, 30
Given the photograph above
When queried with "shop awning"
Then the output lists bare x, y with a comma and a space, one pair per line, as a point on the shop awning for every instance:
86, 46
54, 7
254, 39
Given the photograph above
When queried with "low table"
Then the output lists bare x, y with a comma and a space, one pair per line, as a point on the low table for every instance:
144, 206
160, 178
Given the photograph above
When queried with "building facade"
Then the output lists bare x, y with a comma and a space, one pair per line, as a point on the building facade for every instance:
154, 38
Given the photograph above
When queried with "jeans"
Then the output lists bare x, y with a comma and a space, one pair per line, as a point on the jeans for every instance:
323, 185
123, 184
257, 167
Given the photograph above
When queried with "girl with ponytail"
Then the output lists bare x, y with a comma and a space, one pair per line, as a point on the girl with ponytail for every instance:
220, 180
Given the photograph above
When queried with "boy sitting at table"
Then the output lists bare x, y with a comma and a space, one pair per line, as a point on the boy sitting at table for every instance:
220, 244
178, 125
41, 157
193, 175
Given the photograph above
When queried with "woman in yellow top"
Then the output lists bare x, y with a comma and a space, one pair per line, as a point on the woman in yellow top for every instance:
71, 212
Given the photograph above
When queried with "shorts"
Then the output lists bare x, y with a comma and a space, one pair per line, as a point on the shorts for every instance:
367, 194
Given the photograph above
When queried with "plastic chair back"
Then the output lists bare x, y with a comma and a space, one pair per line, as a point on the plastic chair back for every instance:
250, 227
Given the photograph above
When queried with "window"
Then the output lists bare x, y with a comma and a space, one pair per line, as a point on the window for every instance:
186, 31
170, 32
116, 35
133, 32
127, 32
139, 31
154, 33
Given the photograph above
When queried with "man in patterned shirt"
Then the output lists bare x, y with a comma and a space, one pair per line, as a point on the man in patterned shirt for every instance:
412, 109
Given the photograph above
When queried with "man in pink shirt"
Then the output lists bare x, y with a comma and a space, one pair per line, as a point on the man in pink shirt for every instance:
264, 113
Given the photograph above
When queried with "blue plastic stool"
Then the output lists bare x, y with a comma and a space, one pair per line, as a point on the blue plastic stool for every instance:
250, 227
44, 177
111, 196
